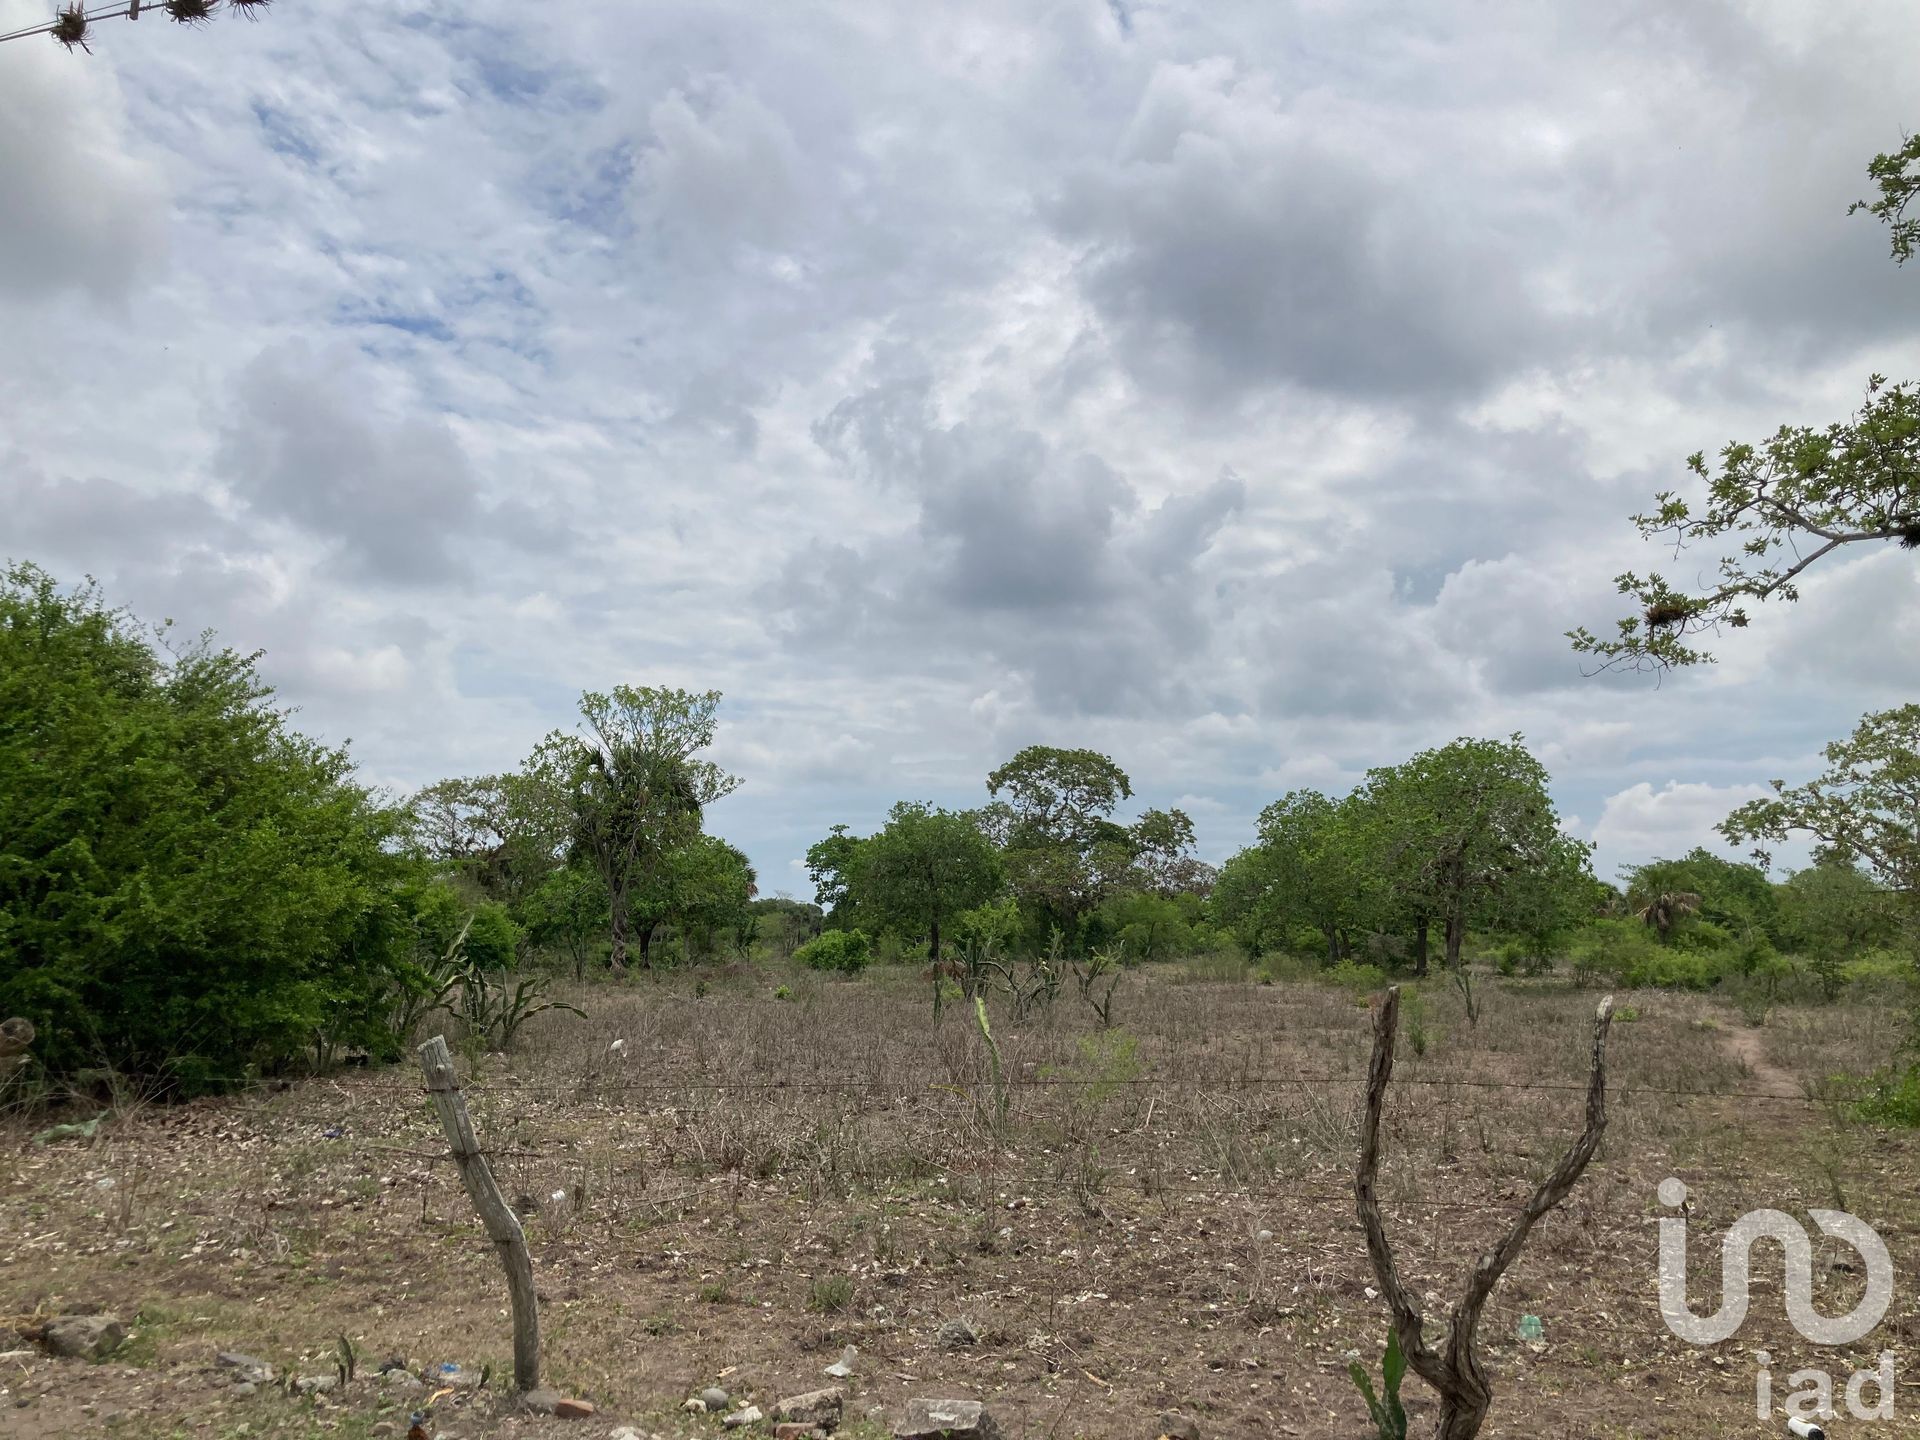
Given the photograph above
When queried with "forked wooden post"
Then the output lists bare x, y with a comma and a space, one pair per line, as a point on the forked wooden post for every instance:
1453, 1368
502, 1225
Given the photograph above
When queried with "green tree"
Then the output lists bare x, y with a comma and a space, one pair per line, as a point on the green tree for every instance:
923, 868
188, 887
830, 866
1052, 816
1309, 872
507, 832
1865, 810
1736, 898
568, 910
1467, 835
1836, 908
711, 885
636, 788
1784, 504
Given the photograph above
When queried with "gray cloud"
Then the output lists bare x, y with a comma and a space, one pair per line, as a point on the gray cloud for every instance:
309, 442
83, 209
1255, 393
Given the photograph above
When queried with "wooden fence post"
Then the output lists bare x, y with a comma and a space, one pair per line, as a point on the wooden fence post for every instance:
502, 1224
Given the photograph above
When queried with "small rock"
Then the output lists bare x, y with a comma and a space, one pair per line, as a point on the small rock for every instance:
715, 1399
815, 1407
946, 1420
843, 1367
796, 1430
574, 1410
316, 1384
1175, 1426
694, 1405
383, 1427
245, 1366
403, 1382
83, 1337
740, 1418
540, 1402
957, 1334
626, 1432
245, 1387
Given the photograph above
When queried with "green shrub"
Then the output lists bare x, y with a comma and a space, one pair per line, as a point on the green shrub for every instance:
1893, 1099
844, 951
189, 888
1359, 978
1673, 969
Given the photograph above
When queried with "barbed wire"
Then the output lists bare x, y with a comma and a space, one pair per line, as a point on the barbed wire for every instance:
185, 14
592, 1084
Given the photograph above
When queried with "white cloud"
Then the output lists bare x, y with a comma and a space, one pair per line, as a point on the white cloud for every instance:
1254, 394
1641, 823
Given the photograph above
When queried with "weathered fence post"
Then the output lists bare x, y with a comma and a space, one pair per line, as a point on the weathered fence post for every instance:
502, 1225
1453, 1368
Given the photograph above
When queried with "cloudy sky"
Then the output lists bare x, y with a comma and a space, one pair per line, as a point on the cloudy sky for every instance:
1255, 392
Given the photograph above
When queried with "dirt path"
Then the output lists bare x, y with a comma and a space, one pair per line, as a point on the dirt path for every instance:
1749, 1047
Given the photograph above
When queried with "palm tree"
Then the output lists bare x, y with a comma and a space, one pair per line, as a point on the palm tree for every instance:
1664, 909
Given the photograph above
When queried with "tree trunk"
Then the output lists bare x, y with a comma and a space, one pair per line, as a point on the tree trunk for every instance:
933, 942
1420, 945
1333, 945
1456, 933
646, 944
618, 957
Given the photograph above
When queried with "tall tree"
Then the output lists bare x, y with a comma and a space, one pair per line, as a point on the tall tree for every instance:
636, 786
1052, 815
830, 864
1864, 810
1309, 872
1784, 504
1466, 834
923, 868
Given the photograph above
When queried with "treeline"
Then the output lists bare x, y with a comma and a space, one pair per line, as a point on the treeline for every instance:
1043, 864
192, 890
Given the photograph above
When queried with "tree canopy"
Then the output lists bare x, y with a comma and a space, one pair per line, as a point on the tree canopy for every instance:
1783, 504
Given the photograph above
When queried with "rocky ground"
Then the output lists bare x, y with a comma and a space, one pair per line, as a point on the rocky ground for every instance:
1155, 1235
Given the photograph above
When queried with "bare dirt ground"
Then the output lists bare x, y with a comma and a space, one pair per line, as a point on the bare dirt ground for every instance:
1163, 1221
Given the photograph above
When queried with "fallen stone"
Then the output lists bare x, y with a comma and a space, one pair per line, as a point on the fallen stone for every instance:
316, 1384
245, 1388
842, 1368
574, 1410
540, 1402
957, 1334
626, 1432
383, 1427
83, 1337
815, 1407
740, 1418
715, 1399
245, 1367
1175, 1426
946, 1420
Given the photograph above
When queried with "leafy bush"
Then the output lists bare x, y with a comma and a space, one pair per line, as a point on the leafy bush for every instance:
1673, 969
844, 951
1358, 978
189, 888
1893, 1099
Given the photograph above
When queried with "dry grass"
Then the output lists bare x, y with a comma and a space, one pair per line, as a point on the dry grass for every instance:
1166, 1220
